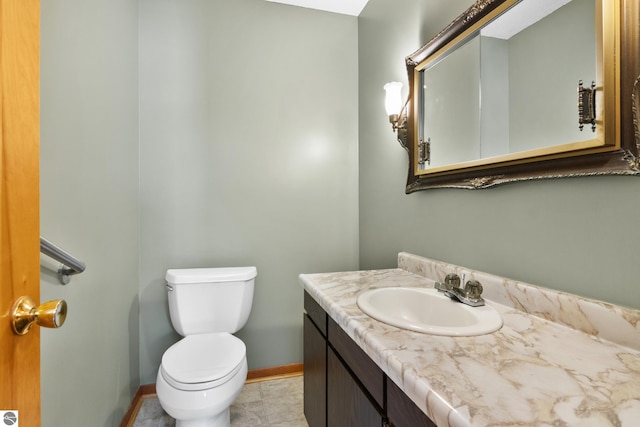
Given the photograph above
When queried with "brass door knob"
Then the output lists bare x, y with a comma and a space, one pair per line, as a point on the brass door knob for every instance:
24, 314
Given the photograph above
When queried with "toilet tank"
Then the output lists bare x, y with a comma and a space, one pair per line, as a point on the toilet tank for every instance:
207, 300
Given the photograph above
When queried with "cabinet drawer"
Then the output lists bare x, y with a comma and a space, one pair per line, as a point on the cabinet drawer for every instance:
316, 313
365, 369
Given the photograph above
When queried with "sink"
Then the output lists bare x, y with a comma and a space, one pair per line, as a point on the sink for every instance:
427, 310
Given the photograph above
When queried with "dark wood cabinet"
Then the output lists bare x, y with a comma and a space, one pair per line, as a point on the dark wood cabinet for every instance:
343, 387
347, 403
402, 411
315, 375
364, 369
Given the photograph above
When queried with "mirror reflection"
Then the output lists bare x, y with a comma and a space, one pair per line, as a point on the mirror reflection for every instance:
511, 87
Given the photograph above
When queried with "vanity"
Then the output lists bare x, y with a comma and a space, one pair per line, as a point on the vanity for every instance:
342, 384
557, 358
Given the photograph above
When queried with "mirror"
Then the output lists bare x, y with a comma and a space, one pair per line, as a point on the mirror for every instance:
511, 87
515, 90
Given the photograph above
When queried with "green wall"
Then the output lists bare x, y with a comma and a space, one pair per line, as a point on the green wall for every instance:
89, 206
248, 148
545, 65
181, 134
575, 235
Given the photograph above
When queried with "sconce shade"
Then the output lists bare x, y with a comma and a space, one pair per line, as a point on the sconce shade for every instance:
393, 98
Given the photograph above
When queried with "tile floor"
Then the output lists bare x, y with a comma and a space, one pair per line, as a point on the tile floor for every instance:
274, 403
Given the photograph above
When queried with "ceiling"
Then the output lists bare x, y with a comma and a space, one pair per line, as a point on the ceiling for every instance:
527, 13
346, 7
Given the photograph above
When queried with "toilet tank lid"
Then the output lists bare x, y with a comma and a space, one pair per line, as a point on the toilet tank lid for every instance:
203, 275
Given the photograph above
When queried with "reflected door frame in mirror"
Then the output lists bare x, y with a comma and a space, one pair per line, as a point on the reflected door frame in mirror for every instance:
617, 155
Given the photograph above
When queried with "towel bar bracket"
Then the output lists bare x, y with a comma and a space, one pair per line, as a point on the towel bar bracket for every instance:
64, 274
69, 264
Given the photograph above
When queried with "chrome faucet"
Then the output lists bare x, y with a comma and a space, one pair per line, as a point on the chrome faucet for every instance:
471, 294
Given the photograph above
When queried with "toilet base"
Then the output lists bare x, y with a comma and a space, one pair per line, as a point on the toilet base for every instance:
223, 419
204, 408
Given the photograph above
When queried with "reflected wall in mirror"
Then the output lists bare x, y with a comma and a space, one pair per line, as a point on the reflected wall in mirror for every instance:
494, 96
512, 86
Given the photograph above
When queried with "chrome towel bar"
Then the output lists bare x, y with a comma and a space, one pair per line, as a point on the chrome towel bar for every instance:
70, 264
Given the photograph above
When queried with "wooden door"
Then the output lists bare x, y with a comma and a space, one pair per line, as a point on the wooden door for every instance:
19, 202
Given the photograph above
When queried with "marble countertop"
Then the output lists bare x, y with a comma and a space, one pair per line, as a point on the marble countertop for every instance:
532, 372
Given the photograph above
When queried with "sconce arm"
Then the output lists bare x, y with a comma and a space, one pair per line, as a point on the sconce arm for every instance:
399, 124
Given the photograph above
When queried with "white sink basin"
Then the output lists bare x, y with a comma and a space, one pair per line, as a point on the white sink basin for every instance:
428, 311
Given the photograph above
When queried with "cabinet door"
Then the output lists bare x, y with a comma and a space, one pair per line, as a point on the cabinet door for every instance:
359, 363
402, 411
315, 375
347, 404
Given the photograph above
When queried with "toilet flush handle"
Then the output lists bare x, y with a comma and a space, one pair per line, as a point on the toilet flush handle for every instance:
169, 287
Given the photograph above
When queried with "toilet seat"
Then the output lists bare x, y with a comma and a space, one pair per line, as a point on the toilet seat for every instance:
204, 361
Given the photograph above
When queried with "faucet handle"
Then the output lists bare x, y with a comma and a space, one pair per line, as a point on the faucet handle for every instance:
451, 280
473, 289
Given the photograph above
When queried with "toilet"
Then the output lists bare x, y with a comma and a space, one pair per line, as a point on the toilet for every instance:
202, 374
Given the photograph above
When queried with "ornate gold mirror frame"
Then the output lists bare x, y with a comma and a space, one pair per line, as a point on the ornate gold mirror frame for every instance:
618, 155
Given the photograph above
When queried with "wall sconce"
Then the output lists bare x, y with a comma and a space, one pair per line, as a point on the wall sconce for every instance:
396, 111
393, 104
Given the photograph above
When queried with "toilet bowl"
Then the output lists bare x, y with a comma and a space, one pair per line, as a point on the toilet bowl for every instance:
202, 374
200, 377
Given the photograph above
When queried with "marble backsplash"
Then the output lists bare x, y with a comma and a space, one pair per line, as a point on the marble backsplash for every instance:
605, 321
